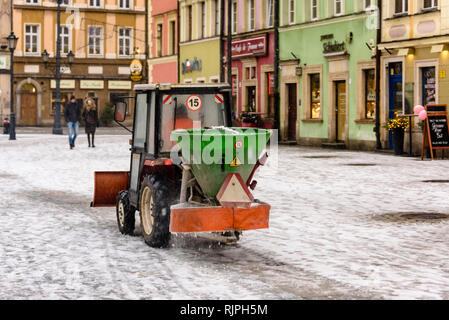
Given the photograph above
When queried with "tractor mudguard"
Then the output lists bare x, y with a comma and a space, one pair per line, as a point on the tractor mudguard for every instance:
107, 185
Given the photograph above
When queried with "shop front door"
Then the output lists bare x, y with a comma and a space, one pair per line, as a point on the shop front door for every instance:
251, 103
340, 96
28, 109
292, 112
395, 93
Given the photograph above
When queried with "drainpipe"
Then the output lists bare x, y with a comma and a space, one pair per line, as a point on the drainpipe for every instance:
276, 67
229, 48
147, 48
378, 69
178, 31
222, 19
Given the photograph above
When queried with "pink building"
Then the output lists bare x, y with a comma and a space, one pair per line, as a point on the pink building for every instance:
163, 41
253, 57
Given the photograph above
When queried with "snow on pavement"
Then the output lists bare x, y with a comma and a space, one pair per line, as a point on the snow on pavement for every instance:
327, 235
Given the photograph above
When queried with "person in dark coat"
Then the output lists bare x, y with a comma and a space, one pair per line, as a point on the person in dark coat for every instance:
72, 114
90, 116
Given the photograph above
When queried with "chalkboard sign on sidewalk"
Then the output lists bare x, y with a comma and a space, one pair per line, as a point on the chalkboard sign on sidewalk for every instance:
436, 130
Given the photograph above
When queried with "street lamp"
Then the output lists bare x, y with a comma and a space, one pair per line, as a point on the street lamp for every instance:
12, 44
70, 57
45, 56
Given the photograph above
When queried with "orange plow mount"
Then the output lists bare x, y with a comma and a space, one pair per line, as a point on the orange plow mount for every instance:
107, 185
210, 219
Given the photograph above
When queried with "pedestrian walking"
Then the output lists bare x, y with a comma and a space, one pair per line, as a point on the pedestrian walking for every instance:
90, 116
72, 114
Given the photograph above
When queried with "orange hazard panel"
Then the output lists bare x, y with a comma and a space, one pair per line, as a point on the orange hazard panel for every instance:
107, 185
209, 219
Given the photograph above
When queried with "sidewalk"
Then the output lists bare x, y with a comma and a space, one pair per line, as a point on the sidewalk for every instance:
115, 130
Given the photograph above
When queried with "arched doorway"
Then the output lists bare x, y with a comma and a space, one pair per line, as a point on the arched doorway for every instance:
29, 99
28, 105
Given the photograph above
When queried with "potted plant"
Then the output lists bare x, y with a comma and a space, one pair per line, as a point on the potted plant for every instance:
107, 115
249, 119
397, 126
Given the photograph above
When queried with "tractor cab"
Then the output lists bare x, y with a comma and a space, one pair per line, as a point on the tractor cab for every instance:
173, 193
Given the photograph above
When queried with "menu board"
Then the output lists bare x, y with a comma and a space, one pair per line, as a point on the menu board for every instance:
436, 130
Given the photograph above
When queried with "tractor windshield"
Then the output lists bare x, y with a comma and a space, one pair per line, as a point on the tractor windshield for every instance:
186, 111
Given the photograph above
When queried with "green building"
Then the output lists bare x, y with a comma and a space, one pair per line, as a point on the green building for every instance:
327, 76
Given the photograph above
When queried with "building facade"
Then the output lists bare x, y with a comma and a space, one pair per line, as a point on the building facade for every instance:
415, 59
253, 58
327, 80
200, 44
104, 35
5, 30
163, 41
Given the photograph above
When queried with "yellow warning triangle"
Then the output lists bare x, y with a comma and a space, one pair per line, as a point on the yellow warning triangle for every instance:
235, 163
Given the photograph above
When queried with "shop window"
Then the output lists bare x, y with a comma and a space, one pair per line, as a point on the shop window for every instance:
370, 93
315, 96
251, 99
65, 96
270, 94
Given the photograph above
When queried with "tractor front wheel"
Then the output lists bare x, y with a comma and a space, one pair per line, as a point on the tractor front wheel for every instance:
155, 211
126, 214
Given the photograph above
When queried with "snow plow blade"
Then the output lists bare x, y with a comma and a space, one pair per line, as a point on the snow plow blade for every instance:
211, 219
107, 185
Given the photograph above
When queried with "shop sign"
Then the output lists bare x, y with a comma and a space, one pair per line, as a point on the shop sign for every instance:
189, 66
120, 85
334, 48
136, 70
327, 37
63, 84
256, 46
4, 62
91, 84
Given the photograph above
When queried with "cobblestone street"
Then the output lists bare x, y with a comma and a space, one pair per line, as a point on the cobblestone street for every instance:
343, 225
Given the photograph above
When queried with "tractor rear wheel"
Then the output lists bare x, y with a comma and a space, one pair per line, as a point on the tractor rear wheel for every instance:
155, 211
126, 214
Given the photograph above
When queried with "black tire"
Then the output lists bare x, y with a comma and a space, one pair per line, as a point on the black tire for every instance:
126, 214
155, 211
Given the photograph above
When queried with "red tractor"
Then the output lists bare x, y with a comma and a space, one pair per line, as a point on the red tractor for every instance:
173, 191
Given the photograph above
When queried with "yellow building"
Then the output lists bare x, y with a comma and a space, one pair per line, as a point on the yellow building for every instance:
104, 35
4, 60
199, 48
415, 60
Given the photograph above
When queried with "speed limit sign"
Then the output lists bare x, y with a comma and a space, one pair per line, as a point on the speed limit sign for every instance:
194, 103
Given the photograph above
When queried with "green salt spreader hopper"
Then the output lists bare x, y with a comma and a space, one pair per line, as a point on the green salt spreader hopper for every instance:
214, 153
